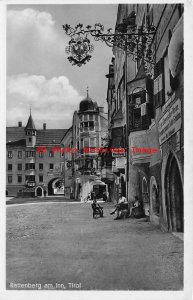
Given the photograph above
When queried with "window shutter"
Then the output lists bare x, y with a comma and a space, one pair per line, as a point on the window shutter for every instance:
158, 84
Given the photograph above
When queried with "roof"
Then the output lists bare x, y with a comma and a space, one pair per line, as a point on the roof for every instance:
87, 104
50, 136
16, 136
30, 124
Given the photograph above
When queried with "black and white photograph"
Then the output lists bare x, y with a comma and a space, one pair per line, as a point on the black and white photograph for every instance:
94, 195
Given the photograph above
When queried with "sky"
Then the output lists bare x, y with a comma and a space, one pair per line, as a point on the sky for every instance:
38, 72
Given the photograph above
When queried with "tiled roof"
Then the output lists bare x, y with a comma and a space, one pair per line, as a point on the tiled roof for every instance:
50, 136
14, 134
44, 137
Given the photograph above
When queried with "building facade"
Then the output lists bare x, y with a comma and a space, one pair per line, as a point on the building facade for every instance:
149, 108
34, 160
66, 143
89, 130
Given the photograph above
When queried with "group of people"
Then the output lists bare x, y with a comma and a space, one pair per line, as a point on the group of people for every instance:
122, 205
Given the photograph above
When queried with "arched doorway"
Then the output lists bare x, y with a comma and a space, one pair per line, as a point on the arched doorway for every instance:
145, 196
154, 200
39, 192
174, 196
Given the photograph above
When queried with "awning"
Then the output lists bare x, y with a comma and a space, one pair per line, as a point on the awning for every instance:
176, 46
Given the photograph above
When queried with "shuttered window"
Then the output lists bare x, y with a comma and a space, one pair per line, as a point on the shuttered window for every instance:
159, 97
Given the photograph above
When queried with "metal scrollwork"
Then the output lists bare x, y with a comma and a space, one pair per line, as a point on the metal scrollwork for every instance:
138, 42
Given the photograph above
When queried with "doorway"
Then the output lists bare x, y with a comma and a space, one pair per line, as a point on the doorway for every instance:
174, 196
39, 192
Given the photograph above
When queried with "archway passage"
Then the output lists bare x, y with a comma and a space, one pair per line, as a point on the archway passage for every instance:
39, 192
55, 187
174, 196
155, 200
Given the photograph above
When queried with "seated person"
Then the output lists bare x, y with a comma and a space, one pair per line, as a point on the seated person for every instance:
104, 197
121, 205
135, 204
96, 206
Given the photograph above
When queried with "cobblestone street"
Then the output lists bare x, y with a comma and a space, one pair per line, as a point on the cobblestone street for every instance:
60, 243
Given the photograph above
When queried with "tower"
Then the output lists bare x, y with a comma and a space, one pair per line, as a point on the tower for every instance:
30, 132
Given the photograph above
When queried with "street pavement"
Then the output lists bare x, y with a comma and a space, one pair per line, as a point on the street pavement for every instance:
60, 246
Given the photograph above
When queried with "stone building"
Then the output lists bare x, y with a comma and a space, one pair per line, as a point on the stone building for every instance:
66, 143
151, 113
34, 160
89, 129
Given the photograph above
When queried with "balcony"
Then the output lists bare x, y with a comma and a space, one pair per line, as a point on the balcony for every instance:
30, 183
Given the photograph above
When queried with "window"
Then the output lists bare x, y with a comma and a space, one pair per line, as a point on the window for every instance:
9, 167
85, 117
92, 142
159, 98
30, 178
51, 166
86, 142
41, 166
167, 77
19, 167
91, 117
40, 154
91, 125
30, 139
51, 154
41, 178
19, 178
30, 166
10, 154
81, 143
19, 154
30, 153
10, 179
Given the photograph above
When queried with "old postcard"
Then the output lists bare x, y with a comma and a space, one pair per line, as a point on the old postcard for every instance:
96, 199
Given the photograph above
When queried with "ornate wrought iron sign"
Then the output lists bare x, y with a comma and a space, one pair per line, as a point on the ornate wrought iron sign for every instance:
137, 42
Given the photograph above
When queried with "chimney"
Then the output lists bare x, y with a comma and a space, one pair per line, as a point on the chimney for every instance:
44, 126
101, 109
19, 124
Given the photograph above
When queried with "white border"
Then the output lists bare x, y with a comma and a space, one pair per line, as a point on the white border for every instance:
188, 178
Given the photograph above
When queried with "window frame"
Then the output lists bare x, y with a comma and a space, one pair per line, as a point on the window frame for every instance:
19, 176
18, 154
19, 168
10, 154
50, 166
10, 167
41, 176
10, 177
41, 164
